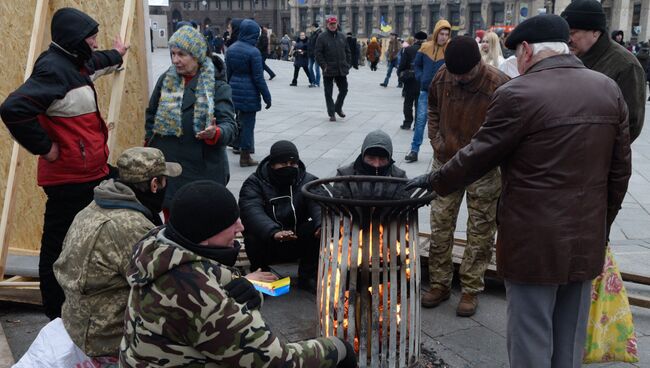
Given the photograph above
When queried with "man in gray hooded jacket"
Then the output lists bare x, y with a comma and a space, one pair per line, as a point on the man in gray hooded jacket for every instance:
376, 158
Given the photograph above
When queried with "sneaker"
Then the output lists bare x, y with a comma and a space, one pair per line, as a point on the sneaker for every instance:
383, 85
467, 305
434, 297
236, 150
411, 157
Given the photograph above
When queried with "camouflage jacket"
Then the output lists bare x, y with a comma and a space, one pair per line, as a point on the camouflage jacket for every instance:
92, 267
180, 316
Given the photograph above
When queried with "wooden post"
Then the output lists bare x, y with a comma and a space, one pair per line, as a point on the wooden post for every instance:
118, 79
17, 153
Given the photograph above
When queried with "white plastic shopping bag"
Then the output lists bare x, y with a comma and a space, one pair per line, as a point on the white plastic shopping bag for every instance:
54, 348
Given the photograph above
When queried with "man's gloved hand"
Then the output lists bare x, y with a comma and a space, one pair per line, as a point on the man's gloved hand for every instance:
244, 292
350, 360
268, 106
422, 181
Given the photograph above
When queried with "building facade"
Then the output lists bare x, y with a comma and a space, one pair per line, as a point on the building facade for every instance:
364, 17
275, 14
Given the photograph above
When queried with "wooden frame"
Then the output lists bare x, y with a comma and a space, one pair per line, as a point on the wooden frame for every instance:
21, 219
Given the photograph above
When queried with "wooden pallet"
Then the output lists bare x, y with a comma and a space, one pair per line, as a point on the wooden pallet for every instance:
459, 249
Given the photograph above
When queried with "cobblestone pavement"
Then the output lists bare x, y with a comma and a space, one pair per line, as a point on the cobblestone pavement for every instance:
298, 114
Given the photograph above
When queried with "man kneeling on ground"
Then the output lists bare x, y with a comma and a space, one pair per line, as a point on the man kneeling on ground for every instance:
281, 224
98, 247
183, 310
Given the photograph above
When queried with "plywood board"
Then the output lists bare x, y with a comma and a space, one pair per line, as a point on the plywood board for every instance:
16, 18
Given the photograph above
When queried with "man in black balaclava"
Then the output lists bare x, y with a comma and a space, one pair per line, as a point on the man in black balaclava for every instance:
281, 224
99, 245
376, 158
54, 115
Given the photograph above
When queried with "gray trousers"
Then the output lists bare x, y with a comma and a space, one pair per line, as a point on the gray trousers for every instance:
547, 324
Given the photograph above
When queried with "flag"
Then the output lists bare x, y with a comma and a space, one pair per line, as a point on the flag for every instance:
384, 26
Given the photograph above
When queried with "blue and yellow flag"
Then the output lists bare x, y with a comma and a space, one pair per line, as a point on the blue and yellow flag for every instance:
384, 26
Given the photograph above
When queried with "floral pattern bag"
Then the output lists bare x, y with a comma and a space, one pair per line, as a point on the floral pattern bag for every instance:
610, 330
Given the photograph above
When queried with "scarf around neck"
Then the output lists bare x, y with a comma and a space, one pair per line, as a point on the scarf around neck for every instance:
168, 115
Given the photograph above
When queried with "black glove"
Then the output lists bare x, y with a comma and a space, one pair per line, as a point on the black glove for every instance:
350, 360
356, 67
244, 292
268, 106
422, 181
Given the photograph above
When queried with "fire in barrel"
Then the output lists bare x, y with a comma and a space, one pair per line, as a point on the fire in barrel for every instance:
369, 270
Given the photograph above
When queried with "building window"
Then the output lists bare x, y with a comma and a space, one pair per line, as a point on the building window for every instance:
240, 4
229, 4
368, 22
399, 19
265, 4
498, 15
475, 19
302, 19
434, 17
316, 16
187, 5
355, 21
416, 19
343, 19
454, 18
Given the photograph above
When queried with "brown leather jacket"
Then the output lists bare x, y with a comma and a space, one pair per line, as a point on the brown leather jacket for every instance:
457, 111
560, 133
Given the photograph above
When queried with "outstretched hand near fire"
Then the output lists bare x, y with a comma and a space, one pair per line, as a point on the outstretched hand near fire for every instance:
422, 181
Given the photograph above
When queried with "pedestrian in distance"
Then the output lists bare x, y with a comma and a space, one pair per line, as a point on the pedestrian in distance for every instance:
54, 115
406, 74
190, 116
333, 55
301, 59
314, 68
246, 77
564, 152
394, 46
354, 50
429, 58
264, 45
590, 43
491, 50
373, 53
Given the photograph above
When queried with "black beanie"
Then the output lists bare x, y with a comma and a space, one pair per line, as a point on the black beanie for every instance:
420, 35
585, 14
202, 209
462, 54
283, 151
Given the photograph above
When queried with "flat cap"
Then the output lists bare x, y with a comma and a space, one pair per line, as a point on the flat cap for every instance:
540, 28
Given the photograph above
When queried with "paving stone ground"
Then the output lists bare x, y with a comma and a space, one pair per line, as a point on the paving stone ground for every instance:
298, 114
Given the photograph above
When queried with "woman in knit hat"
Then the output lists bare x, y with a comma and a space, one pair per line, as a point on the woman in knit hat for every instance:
190, 115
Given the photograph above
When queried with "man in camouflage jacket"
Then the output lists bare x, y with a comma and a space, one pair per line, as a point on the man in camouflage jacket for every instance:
98, 247
181, 311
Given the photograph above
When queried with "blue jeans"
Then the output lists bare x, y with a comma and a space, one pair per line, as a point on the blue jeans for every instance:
391, 65
246, 135
314, 69
420, 120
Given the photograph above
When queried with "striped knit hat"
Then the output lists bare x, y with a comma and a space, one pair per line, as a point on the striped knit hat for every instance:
191, 41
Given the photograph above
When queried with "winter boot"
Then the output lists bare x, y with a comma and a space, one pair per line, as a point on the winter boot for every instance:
245, 159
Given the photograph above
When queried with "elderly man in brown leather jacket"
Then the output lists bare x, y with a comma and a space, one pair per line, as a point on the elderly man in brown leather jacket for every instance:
560, 133
458, 100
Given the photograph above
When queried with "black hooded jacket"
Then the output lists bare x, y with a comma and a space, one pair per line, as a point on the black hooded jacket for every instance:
58, 103
374, 139
266, 208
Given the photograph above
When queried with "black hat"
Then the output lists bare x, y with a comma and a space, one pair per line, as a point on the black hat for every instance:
314, 24
202, 209
421, 35
283, 151
585, 14
540, 28
462, 54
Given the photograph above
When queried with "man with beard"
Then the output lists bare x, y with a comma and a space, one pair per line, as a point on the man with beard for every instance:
376, 158
98, 247
281, 224
54, 115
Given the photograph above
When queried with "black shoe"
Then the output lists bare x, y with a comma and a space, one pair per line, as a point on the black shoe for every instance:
293, 84
411, 157
341, 114
236, 150
271, 77
332, 118
400, 85
405, 125
383, 85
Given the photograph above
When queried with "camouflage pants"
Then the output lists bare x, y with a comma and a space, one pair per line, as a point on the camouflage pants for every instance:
482, 197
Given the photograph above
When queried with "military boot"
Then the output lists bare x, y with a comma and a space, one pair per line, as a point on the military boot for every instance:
434, 297
246, 160
467, 305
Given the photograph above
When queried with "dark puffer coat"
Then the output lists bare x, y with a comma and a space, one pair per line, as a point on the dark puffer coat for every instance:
301, 53
266, 208
245, 70
333, 54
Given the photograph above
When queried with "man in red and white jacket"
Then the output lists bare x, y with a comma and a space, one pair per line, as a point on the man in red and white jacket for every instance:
54, 114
